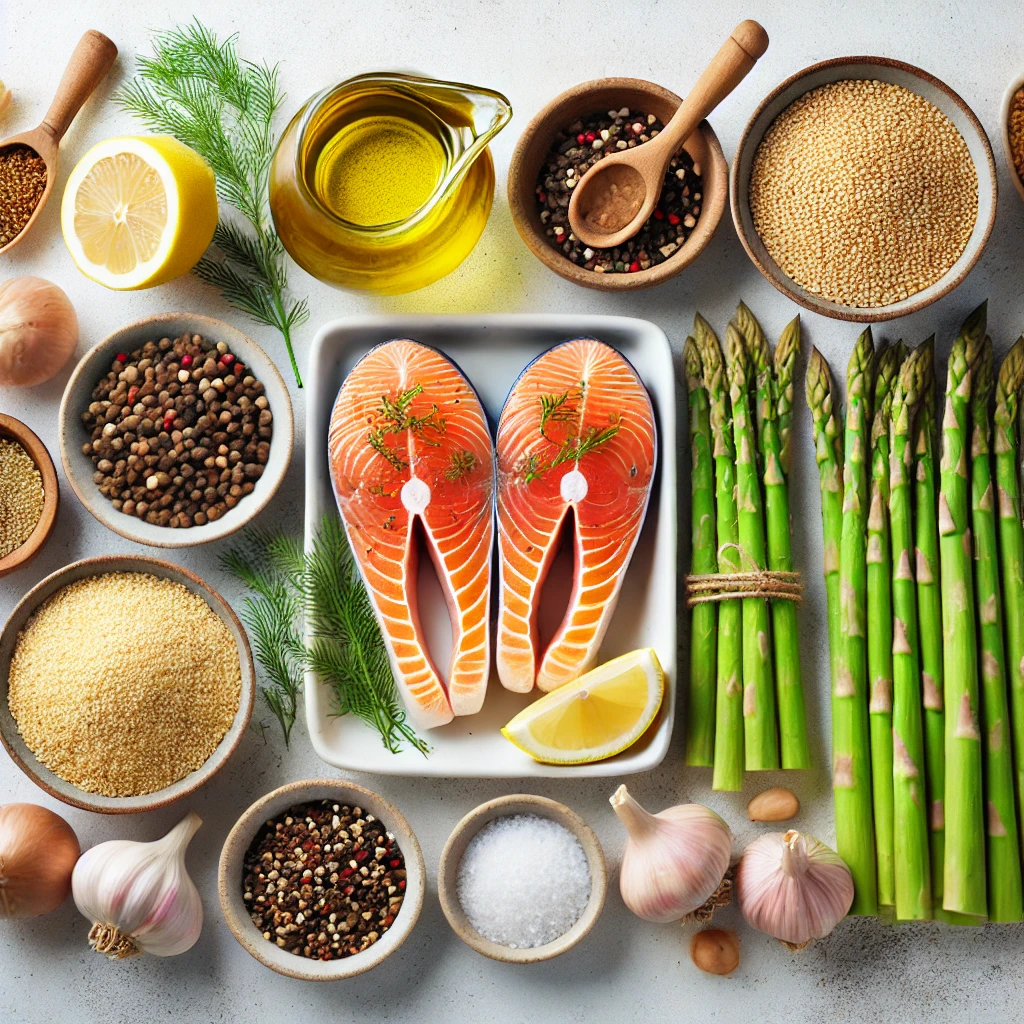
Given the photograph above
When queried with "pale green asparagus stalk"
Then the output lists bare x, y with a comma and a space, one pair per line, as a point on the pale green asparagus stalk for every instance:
965, 882
728, 749
700, 718
851, 754
910, 796
760, 740
1003, 850
1011, 543
774, 413
879, 617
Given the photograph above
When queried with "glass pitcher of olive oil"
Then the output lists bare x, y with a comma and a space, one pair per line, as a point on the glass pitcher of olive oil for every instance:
384, 182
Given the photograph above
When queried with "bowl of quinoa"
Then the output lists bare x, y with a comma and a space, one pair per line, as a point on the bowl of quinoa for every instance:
29, 495
125, 684
1012, 131
864, 188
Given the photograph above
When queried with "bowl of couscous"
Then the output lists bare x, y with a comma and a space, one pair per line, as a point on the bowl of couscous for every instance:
863, 188
126, 683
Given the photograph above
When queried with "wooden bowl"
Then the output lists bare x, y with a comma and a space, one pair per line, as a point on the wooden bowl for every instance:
455, 848
78, 394
14, 430
884, 70
52, 783
229, 880
1004, 131
604, 94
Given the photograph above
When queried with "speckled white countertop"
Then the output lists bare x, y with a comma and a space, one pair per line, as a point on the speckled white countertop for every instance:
528, 49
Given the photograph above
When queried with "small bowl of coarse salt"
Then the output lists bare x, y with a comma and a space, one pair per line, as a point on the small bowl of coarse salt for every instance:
494, 896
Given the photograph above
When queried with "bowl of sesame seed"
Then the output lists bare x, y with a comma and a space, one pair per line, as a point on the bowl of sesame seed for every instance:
864, 188
29, 495
126, 683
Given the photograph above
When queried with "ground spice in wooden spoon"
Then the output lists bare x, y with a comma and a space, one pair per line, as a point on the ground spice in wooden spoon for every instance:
22, 184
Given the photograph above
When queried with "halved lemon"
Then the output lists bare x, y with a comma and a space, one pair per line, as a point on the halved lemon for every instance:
600, 714
139, 212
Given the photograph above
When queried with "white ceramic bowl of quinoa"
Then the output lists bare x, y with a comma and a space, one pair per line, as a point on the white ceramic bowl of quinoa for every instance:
894, 72
22, 616
78, 395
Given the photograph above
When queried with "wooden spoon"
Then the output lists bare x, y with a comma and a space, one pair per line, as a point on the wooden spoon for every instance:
616, 196
88, 65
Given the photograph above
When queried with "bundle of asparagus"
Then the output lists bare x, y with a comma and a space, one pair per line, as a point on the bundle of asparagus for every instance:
926, 614
746, 705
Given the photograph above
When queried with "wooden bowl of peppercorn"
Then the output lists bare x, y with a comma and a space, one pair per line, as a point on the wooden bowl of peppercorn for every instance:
147, 450
300, 863
676, 243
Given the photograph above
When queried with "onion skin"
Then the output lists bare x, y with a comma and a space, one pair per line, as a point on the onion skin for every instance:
38, 852
38, 331
793, 887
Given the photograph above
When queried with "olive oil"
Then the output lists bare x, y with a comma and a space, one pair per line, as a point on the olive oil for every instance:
379, 169
385, 182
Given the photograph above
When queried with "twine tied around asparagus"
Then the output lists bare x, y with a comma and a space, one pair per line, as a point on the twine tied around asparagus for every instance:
727, 586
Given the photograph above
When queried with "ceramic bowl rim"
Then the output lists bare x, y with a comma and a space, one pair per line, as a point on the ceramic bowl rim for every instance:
470, 825
229, 889
854, 314
246, 699
100, 507
1004, 130
43, 530
711, 215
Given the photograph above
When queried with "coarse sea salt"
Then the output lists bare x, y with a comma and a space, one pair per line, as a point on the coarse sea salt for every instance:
523, 881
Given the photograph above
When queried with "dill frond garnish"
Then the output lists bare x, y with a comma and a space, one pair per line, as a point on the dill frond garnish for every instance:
200, 91
394, 418
460, 464
323, 589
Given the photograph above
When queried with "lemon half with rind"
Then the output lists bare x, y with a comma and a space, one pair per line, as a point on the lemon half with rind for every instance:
139, 211
596, 716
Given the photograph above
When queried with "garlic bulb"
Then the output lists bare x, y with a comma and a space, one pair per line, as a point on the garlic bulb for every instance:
139, 896
675, 860
38, 331
793, 887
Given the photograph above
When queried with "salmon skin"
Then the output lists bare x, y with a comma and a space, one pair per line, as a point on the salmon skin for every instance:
577, 436
409, 440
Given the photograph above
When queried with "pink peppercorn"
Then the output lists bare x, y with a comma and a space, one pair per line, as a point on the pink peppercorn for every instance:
186, 360
227, 359
122, 357
590, 137
659, 214
581, 138
673, 218
634, 267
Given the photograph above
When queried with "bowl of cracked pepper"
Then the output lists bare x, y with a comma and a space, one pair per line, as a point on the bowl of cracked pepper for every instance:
321, 880
572, 133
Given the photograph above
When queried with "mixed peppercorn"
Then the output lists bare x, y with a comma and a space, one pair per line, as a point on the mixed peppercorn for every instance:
179, 431
574, 151
323, 880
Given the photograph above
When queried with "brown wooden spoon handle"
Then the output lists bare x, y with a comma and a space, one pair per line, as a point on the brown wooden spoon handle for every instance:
727, 69
89, 64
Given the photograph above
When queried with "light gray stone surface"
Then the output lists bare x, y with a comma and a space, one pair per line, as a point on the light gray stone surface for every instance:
626, 970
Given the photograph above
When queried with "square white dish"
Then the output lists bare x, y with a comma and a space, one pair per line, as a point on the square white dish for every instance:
492, 351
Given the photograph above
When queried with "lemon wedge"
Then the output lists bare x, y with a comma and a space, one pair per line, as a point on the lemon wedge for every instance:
139, 212
598, 715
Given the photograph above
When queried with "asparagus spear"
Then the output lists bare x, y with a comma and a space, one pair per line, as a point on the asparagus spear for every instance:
964, 884
828, 448
912, 859
879, 615
700, 719
760, 741
1011, 541
851, 764
929, 618
728, 747
774, 405
1003, 851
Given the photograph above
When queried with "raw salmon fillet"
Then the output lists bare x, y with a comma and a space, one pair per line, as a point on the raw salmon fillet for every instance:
576, 436
409, 440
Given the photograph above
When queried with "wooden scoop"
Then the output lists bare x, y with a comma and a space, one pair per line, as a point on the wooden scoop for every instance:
615, 197
88, 65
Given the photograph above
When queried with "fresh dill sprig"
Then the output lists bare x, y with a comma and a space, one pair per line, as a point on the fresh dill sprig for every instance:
199, 90
345, 648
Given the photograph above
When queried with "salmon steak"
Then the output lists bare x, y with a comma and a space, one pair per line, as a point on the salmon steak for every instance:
576, 438
409, 442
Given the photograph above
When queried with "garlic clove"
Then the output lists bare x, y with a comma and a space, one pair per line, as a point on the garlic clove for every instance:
775, 804
139, 896
674, 862
793, 887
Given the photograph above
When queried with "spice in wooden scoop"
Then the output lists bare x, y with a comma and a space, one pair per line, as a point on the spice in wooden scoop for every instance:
22, 184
